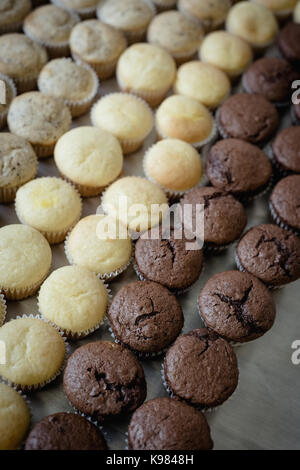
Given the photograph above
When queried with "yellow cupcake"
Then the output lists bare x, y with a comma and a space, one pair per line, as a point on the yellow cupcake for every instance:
14, 418
280, 8
210, 14
297, 13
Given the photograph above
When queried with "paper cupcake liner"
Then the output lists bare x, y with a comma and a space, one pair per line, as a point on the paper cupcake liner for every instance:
103, 71
3, 115
84, 13
161, 6
7, 195
85, 191
43, 151
153, 98
15, 293
279, 222
11, 28
278, 104
3, 308
25, 84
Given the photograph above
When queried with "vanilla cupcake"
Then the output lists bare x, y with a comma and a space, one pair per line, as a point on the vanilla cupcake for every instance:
18, 165
125, 116
50, 205
75, 83
22, 60
254, 23
90, 158
10, 93
173, 31
74, 299
14, 418
203, 82
40, 119
136, 202
89, 245
51, 27
147, 71
281, 8
12, 14
226, 51
210, 14
162, 5
174, 165
297, 13
99, 45
84, 8
130, 16
25, 260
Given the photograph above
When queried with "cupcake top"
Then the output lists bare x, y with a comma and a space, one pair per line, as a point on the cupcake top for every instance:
79, 6
145, 317
89, 156
103, 379
31, 341
285, 149
164, 4
289, 42
182, 427
174, 165
201, 368
126, 15
18, 162
211, 14
203, 82
14, 418
297, 13
237, 306
285, 201
279, 7
65, 431
26, 256
13, 12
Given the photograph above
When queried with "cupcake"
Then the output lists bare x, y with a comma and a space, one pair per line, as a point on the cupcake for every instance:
129, 16
35, 352
297, 13
254, 23
75, 83
174, 165
18, 165
103, 380
125, 116
65, 431
40, 119
201, 369
108, 256
285, 151
181, 427
226, 51
3, 309
90, 158
270, 253
22, 60
14, 418
83, 8
203, 82
281, 8
210, 14
184, 118
162, 5
285, 203
145, 203
10, 93
51, 27
147, 71
172, 261
288, 43
296, 114
256, 124
236, 306
12, 14
176, 33
99, 45
26, 262
50, 205
239, 168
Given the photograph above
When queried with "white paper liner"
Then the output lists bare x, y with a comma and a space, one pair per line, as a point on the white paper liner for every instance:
84, 13
279, 222
18, 293
103, 70
25, 84
278, 104
3, 115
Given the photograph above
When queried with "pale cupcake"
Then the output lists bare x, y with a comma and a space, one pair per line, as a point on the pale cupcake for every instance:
18, 165
35, 352
254, 23
297, 13
99, 45
173, 31
84, 8
130, 16
51, 27
281, 8
162, 5
75, 83
25, 260
10, 93
203, 82
14, 418
147, 71
210, 14
90, 158
89, 245
22, 60
182, 117
40, 119
226, 51
50, 205
74, 299
136, 202
12, 14
174, 165
125, 116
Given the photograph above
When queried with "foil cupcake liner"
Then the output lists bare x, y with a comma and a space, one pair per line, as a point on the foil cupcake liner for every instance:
3, 115
279, 222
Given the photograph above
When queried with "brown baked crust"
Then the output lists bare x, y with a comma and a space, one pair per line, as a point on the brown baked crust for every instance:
285, 201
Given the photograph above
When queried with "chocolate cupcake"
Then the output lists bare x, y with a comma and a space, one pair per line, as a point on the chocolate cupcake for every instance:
168, 261
296, 114
145, 317
65, 431
220, 210
239, 168
248, 117
166, 424
285, 151
270, 253
236, 306
289, 42
285, 203
103, 380
201, 369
